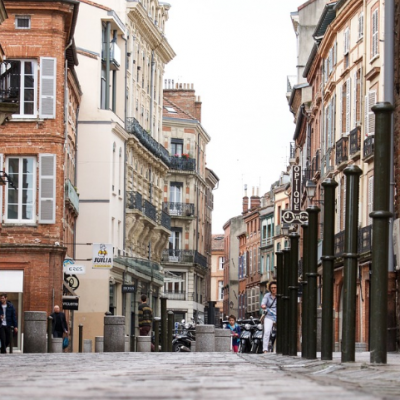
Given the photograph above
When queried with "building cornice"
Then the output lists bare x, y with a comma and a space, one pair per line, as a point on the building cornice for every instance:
183, 123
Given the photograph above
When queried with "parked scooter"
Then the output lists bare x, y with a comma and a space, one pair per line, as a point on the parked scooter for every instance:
257, 337
246, 341
186, 334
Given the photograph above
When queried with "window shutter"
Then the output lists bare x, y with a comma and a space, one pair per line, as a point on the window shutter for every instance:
370, 128
370, 198
47, 107
329, 123
47, 188
333, 109
355, 83
361, 96
334, 53
374, 33
330, 62
348, 105
325, 70
340, 111
338, 208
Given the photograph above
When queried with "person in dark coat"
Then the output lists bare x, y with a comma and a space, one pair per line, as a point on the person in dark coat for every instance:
8, 318
59, 323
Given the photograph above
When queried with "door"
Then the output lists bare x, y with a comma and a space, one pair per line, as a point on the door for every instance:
175, 245
175, 198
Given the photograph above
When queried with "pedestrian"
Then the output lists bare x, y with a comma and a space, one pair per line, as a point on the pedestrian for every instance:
235, 332
268, 304
59, 323
8, 318
145, 318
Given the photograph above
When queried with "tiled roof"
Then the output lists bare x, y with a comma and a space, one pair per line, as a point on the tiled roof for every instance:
217, 242
178, 114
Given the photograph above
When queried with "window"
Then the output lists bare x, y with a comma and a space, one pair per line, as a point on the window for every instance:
175, 198
20, 202
171, 110
22, 22
221, 263
360, 26
375, 40
346, 37
177, 147
220, 290
345, 107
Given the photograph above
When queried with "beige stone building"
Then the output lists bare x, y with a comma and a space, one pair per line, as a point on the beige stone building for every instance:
217, 270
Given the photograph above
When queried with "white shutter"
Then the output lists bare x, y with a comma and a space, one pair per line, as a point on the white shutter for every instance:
334, 53
355, 82
1, 189
344, 204
47, 106
370, 198
47, 188
333, 119
329, 123
325, 70
361, 95
340, 110
338, 209
374, 33
348, 105
346, 41
361, 25
371, 101
330, 61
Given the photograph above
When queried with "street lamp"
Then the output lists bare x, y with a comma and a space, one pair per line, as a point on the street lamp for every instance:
285, 229
311, 189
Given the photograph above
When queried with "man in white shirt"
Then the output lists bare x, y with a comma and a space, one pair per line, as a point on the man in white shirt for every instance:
8, 318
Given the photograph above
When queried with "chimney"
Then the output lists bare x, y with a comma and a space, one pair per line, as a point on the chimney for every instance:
197, 107
245, 201
255, 201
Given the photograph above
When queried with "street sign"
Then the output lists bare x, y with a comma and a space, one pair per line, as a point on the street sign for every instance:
294, 217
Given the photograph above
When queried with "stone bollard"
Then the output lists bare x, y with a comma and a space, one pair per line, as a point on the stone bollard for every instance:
99, 344
127, 344
193, 346
143, 344
56, 345
205, 338
114, 333
87, 345
222, 340
35, 332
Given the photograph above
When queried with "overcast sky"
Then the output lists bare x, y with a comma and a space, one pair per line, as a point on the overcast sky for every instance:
238, 54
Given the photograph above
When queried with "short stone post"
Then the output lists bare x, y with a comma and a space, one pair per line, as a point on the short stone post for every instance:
114, 333
87, 345
156, 333
127, 344
56, 345
35, 332
49, 334
143, 344
99, 344
222, 340
205, 338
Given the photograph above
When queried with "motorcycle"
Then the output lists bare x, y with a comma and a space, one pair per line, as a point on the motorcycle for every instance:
257, 338
247, 327
183, 339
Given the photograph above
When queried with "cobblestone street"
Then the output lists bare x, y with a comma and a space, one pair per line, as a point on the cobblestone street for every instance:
194, 376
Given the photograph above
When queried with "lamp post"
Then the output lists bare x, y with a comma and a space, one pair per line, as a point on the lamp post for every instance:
285, 302
312, 273
279, 321
328, 259
350, 256
380, 229
293, 292
304, 297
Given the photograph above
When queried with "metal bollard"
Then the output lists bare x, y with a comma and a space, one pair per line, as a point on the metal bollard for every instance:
164, 316
304, 298
156, 333
279, 324
49, 333
80, 338
132, 343
293, 292
11, 339
170, 329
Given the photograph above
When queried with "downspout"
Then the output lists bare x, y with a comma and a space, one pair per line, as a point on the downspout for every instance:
197, 192
114, 79
388, 80
107, 51
76, 172
152, 92
125, 143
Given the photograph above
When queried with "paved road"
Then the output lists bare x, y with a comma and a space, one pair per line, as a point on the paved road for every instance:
193, 376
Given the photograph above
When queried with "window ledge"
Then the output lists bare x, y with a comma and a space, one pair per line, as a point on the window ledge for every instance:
19, 225
33, 119
375, 57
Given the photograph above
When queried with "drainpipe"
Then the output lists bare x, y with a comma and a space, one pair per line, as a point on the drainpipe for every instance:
76, 173
125, 143
114, 79
388, 80
197, 191
152, 92
107, 51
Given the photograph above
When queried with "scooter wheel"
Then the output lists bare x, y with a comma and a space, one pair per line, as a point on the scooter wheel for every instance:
176, 348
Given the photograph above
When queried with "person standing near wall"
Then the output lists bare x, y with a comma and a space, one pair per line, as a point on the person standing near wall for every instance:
8, 318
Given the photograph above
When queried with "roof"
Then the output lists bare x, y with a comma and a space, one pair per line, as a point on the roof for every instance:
327, 16
171, 110
217, 242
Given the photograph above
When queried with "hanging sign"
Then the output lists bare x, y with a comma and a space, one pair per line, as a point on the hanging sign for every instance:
296, 188
70, 268
102, 256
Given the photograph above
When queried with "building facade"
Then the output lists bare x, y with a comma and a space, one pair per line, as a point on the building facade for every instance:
217, 271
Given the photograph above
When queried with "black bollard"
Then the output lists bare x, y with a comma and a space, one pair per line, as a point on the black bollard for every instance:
164, 316
285, 302
11, 339
157, 333
328, 260
312, 282
80, 338
304, 297
170, 329
380, 229
293, 292
49, 333
279, 320
350, 256
132, 343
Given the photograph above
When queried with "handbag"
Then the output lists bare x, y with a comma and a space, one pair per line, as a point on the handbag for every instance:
65, 342
266, 312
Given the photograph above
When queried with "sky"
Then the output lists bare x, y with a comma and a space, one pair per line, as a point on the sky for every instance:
238, 54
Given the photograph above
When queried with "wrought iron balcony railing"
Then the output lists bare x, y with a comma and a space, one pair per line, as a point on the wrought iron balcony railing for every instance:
355, 140
292, 150
365, 239
164, 220
134, 200
342, 153
179, 295
184, 256
71, 195
369, 146
149, 210
339, 244
133, 126
179, 209
183, 164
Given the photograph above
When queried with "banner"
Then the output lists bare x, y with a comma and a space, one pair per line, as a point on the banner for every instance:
102, 256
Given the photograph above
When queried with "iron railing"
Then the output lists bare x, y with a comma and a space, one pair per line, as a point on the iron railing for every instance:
339, 244
179, 209
292, 150
149, 210
369, 146
164, 220
184, 256
133, 126
365, 239
342, 153
177, 295
355, 140
182, 164
134, 200
71, 195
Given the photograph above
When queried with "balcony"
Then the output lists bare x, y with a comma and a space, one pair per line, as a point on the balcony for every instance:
369, 147
183, 164
339, 244
267, 241
149, 210
71, 196
184, 257
365, 239
179, 209
355, 141
178, 295
164, 220
134, 200
316, 162
342, 153
133, 127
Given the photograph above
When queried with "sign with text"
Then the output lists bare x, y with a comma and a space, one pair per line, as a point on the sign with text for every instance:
291, 217
70, 303
70, 268
296, 187
102, 256
128, 288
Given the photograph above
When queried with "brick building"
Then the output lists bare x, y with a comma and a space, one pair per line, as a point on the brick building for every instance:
38, 203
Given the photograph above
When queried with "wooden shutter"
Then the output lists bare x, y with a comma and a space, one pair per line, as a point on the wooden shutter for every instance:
375, 33
334, 53
355, 83
47, 106
333, 109
340, 110
338, 209
370, 198
361, 25
348, 105
370, 101
47, 188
